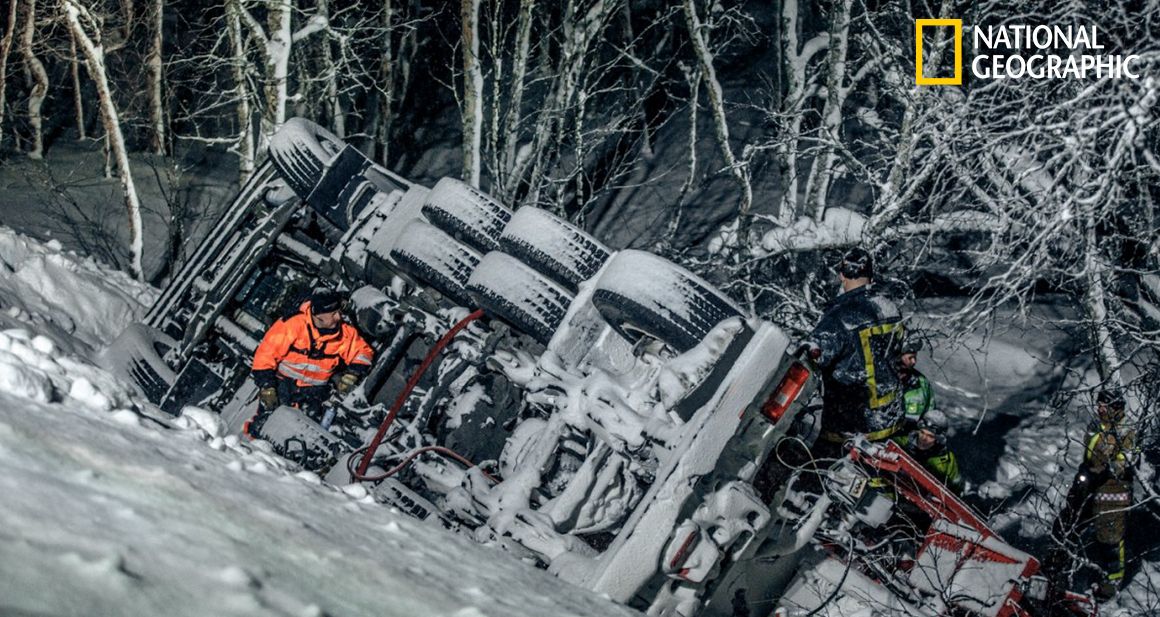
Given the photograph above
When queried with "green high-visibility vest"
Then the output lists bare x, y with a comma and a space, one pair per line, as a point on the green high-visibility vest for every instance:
919, 399
945, 467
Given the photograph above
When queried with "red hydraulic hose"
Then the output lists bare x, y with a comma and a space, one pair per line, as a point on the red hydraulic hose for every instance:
411, 383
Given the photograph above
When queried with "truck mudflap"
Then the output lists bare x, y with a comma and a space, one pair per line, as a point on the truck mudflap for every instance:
981, 573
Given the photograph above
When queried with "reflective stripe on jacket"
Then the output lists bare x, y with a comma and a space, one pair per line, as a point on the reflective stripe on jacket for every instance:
858, 340
297, 350
1108, 447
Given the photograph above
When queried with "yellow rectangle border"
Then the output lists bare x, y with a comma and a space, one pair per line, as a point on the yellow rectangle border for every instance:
957, 79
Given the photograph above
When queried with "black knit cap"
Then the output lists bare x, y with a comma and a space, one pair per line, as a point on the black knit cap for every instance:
1111, 398
857, 263
325, 301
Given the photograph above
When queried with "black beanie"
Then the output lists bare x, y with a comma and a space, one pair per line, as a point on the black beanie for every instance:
325, 301
1111, 398
857, 263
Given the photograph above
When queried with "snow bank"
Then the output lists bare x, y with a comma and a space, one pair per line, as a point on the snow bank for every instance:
1041, 455
31, 367
67, 297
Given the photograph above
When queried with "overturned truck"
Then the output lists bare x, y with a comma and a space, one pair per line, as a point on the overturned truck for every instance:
605, 414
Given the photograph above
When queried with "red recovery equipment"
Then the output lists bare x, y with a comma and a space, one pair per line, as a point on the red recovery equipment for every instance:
960, 557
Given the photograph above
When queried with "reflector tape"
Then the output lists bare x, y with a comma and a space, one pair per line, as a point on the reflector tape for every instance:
683, 552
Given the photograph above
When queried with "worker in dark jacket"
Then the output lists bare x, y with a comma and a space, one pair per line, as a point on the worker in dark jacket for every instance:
300, 354
1101, 494
857, 348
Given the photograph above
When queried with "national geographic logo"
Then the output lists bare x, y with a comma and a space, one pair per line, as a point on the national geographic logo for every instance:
1024, 52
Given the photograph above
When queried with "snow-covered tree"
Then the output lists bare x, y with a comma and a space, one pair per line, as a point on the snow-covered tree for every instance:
38, 76
86, 30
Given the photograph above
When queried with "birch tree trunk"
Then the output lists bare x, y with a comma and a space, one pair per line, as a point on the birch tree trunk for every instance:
396, 71
818, 183
514, 119
90, 46
694, 79
333, 105
244, 113
156, 79
39, 82
699, 34
5, 49
646, 137
384, 117
496, 27
472, 92
277, 65
1095, 305
78, 98
717, 106
793, 105
579, 32
889, 204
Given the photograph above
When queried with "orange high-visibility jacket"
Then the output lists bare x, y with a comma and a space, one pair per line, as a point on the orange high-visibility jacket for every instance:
297, 350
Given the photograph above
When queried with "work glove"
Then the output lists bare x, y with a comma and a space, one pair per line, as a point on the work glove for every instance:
268, 398
346, 383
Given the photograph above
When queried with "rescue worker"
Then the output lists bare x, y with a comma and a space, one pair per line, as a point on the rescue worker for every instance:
856, 349
927, 444
300, 354
1101, 493
917, 395
926, 439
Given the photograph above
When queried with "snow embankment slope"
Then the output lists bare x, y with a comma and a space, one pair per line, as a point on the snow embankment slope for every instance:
109, 514
108, 510
68, 298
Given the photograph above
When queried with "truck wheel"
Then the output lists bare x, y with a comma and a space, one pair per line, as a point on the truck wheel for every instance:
301, 150
553, 246
509, 289
642, 294
436, 259
467, 213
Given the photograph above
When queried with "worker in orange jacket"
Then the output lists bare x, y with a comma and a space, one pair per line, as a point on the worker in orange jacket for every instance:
300, 354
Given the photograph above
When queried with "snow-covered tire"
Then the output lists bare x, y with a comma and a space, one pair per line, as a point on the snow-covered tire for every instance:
301, 150
467, 213
509, 289
436, 259
641, 293
553, 246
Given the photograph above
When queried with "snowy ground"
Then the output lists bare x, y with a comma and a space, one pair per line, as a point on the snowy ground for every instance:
111, 514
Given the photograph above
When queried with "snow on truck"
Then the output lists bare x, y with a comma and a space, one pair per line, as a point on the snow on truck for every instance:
603, 414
